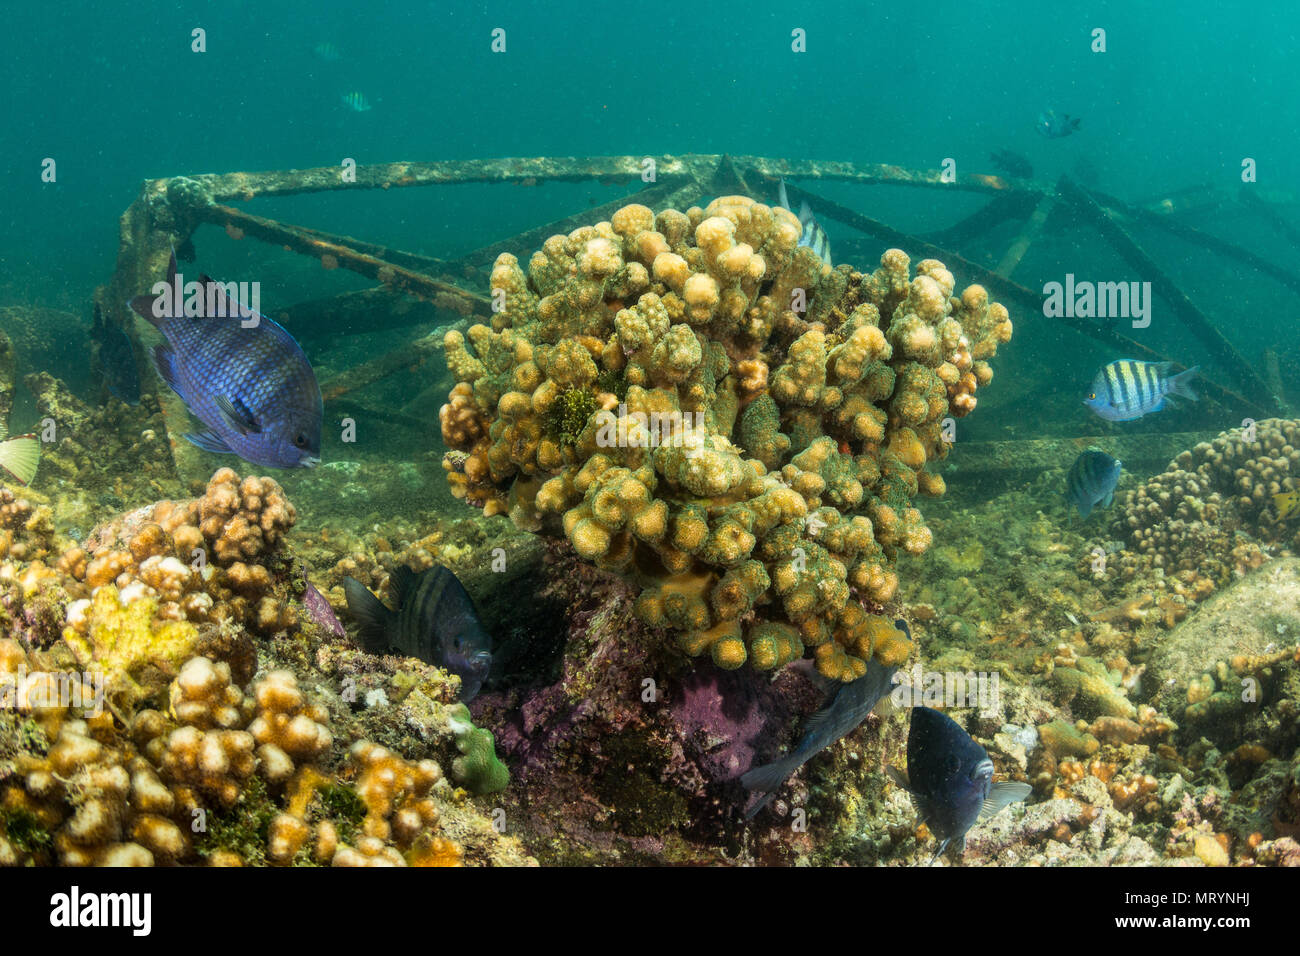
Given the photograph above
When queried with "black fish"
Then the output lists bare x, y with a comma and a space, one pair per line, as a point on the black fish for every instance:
1013, 164
435, 620
116, 359
849, 708
950, 778
1055, 125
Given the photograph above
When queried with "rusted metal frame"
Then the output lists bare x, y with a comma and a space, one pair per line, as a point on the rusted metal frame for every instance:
869, 174
1008, 290
1195, 320
657, 196
364, 312
1028, 236
268, 230
359, 410
1002, 207
406, 358
1199, 237
236, 187
1251, 201
399, 257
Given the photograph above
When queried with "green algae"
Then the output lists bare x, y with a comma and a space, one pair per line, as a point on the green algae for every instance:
243, 829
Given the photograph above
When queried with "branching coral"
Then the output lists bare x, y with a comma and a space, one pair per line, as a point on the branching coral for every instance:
772, 422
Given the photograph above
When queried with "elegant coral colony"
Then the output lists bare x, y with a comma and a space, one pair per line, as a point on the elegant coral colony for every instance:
704, 407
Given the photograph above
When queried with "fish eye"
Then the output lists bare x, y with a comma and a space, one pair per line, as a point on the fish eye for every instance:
300, 439
1092, 395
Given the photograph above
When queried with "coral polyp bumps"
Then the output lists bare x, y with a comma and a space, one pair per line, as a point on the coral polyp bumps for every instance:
706, 409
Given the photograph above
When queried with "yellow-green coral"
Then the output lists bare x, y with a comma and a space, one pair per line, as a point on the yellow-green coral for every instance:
774, 423
122, 639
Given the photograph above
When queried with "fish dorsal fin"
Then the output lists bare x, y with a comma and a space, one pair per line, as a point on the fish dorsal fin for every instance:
400, 584
1002, 795
783, 199
805, 213
237, 415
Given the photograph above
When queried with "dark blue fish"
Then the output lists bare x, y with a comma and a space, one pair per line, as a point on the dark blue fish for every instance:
1054, 125
435, 620
950, 778
1092, 480
846, 711
813, 235
1127, 388
253, 387
116, 360
1013, 164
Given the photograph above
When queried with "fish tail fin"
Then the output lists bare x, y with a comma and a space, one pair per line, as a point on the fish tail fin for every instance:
372, 617
767, 780
1074, 122
1181, 386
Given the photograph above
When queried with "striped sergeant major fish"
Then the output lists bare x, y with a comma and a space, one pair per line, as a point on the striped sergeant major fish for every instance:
813, 235
1092, 480
435, 620
1127, 389
356, 102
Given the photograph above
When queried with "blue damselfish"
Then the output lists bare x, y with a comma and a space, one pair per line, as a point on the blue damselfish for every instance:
239, 373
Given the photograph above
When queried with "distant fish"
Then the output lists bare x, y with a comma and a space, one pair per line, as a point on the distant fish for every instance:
319, 608
19, 457
253, 387
1013, 164
813, 235
1054, 125
1092, 480
1127, 388
848, 709
356, 102
326, 51
116, 359
1287, 503
950, 778
435, 620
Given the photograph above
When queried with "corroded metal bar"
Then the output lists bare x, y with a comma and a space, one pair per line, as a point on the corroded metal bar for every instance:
1028, 235
235, 187
656, 197
398, 257
362, 312
1010, 291
393, 276
409, 357
1199, 237
1004, 206
878, 174
1250, 198
1197, 322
